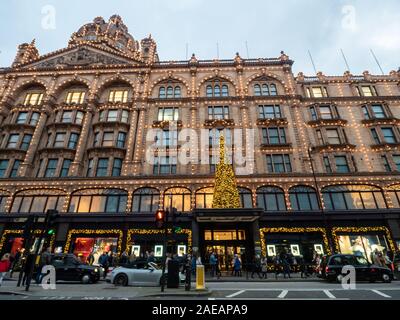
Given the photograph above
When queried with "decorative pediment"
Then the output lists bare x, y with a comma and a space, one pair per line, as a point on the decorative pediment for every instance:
81, 56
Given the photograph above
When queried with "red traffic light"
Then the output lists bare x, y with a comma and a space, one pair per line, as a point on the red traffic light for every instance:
160, 215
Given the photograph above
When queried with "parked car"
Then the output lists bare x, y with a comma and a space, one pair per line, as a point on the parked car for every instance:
69, 268
331, 269
134, 275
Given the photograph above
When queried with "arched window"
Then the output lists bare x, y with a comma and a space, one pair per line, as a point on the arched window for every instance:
37, 201
161, 93
257, 90
246, 200
170, 92
98, 200
272, 89
348, 197
303, 198
179, 198
225, 91
204, 197
177, 92
394, 193
145, 200
209, 91
271, 199
217, 91
265, 90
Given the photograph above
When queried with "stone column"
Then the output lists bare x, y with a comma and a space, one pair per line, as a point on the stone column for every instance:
195, 236
35, 141
255, 229
77, 164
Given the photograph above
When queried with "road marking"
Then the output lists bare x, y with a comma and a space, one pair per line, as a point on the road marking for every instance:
211, 298
381, 293
329, 294
283, 294
235, 294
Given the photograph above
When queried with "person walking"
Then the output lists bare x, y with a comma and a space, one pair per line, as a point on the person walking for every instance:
17, 261
213, 264
103, 261
45, 259
237, 264
264, 267
256, 266
217, 268
124, 258
285, 264
277, 266
90, 258
5, 265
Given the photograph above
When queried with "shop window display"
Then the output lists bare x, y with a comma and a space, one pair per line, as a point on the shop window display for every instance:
84, 246
363, 245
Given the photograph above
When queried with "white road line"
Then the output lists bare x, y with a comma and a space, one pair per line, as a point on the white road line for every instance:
211, 298
235, 294
283, 294
381, 293
329, 294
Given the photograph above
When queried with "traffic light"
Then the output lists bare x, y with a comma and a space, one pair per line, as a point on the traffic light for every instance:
175, 228
160, 218
28, 227
52, 216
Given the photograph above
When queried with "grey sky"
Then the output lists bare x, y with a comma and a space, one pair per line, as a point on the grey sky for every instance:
322, 26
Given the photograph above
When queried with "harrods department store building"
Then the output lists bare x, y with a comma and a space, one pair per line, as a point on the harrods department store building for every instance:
74, 127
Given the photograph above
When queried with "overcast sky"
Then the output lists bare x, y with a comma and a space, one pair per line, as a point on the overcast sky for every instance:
321, 26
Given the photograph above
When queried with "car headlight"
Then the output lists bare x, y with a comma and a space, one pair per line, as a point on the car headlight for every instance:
96, 270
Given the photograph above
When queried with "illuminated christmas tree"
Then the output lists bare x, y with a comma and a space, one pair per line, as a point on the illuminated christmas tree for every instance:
226, 194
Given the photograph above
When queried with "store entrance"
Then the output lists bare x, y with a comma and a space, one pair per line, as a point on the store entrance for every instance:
226, 252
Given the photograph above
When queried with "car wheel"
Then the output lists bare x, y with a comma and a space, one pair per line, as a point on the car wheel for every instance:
339, 278
386, 278
85, 279
121, 280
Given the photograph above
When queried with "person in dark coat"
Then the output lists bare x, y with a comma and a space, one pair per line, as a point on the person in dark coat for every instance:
103, 261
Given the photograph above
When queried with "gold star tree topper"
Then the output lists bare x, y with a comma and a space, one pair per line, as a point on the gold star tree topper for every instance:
226, 194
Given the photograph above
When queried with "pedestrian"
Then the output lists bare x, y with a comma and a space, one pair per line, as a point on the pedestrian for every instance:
103, 262
132, 258
150, 257
193, 264
45, 259
285, 263
90, 258
167, 260
5, 265
17, 261
256, 266
264, 267
217, 268
213, 264
277, 265
124, 258
237, 264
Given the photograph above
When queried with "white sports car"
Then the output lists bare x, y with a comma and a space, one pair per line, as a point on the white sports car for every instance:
151, 276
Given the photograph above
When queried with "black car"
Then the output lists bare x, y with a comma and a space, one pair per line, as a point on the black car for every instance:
69, 268
331, 268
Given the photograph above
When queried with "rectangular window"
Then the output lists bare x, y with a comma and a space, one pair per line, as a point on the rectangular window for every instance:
59, 140
118, 96
375, 136
317, 92
396, 160
327, 165
22, 116
96, 140
34, 118
313, 113
168, 114
212, 162
214, 136
333, 136
12, 141
26, 140
124, 116
365, 112
108, 139
79, 117
102, 166
274, 135
326, 112
341, 164
218, 112
278, 163
89, 172
270, 112
116, 169
121, 139
112, 115
14, 169
378, 111
73, 140
164, 165
75, 97
66, 117
385, 163
167, 138
3, 168
33, 99
51, 168
366, 91
319, 137
388, 135
65, 167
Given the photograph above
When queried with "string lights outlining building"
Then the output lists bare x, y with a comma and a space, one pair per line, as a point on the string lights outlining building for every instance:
74, 128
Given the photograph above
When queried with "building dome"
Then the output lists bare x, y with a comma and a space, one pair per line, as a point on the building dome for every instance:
113, 33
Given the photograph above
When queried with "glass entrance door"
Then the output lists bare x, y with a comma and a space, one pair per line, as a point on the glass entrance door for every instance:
225, 252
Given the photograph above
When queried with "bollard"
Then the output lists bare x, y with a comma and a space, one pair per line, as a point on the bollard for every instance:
200, 277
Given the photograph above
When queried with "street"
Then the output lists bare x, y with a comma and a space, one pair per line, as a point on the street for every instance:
279, 290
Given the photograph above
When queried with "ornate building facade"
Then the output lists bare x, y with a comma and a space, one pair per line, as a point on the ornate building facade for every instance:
74, 134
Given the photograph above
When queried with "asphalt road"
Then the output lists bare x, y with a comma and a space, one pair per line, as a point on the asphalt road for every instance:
315, 290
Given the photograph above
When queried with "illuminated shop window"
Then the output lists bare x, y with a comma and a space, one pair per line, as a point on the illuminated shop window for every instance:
145, 200
271, 198
98, 200
180, 199
37, 201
